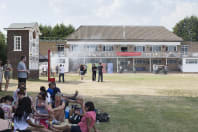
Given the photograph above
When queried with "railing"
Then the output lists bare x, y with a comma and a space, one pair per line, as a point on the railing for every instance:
143, 55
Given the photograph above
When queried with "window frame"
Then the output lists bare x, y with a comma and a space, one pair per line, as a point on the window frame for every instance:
155, 48
60, 46
16, 47
124, 47
175, 48
143, 48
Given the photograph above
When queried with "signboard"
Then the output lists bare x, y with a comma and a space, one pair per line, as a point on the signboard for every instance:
128, 53
33, 53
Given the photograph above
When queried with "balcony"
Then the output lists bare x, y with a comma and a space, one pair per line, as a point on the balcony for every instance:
113, 54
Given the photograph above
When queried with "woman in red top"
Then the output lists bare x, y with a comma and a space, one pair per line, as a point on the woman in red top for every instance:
88, 119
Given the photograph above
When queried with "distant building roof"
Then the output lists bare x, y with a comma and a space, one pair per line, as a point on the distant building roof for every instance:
123, 33
22, 25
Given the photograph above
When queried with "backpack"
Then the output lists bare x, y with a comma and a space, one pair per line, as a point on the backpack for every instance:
102, 117
75, 118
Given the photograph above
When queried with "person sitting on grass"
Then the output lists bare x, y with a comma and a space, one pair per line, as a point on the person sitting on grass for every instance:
87, 122
21, 86
48, 97
41, 109
4, 124
58, 110
53, 90
20, 96
21, 119
7, 107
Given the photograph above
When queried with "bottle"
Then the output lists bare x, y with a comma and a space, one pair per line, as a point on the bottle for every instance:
67, 112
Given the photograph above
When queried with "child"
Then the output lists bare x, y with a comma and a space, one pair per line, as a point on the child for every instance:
7, 107
22, 120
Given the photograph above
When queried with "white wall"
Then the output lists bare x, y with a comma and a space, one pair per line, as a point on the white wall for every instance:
189, 67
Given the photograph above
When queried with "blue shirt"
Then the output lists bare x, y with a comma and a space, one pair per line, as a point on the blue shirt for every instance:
22, 66
53, 92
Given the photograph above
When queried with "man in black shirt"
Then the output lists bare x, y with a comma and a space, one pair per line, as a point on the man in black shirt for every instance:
100, 74
94, 69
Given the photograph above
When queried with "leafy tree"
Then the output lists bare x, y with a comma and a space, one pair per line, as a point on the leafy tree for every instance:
59, 31
3, 47
46, 31
187, 28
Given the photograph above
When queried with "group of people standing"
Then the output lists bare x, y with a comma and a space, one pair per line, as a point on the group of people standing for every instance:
5, 71
100, 72
83, 70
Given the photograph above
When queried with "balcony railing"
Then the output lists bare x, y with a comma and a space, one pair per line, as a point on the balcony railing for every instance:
143, 54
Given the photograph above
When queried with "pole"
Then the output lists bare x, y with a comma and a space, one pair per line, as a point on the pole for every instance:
117, 64
48, 65
133, 64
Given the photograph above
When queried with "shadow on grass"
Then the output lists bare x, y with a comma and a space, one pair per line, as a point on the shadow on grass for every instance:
142, 113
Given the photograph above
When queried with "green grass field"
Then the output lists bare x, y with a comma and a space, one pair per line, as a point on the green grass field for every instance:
139, 102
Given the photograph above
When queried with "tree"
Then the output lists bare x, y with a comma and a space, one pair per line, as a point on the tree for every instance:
59, 31
46, 31
187, 28
3, 48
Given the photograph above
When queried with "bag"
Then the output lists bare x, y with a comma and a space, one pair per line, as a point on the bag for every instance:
75, 118
102, 117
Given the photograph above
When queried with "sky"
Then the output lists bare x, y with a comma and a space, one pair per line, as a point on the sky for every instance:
97, 12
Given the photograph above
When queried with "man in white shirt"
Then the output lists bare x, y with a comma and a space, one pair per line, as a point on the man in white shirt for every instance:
61, 72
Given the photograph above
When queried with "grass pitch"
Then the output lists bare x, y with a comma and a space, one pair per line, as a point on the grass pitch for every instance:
137, 102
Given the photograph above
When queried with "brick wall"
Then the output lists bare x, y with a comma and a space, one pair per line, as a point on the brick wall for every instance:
15, 56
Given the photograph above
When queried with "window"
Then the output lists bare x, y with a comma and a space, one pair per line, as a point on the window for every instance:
156, 48
184, 49
140, 61
124, 49
60, 47
172, 48
156, 61
171, 61
191, 61
17, 43
139, 48
92, 48
107, 48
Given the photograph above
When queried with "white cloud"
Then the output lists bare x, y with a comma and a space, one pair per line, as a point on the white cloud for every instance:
3, 6
182, 10
97, 12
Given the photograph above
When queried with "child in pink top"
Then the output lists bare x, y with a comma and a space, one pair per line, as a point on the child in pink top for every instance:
88, 120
